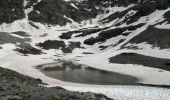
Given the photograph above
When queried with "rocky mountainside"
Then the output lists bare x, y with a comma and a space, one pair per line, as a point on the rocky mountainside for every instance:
61, 12
109, 18
55, 11
131, 37
35, 27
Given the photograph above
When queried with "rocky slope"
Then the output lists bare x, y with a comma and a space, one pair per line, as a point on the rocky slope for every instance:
35, 27
105, 34
14, 86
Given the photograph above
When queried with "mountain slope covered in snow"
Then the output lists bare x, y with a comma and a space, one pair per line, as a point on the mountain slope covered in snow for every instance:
130, 37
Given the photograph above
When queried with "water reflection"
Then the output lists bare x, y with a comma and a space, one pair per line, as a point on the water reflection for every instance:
77, 73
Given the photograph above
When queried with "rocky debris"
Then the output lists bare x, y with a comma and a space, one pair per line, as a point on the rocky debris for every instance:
14, 86
8, 75
89, 95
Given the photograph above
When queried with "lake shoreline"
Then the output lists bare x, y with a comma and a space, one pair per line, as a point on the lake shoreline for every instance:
69, 71
15, 86
70, 62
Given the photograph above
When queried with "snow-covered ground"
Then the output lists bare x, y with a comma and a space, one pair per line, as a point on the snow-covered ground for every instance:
127, 92
26, 65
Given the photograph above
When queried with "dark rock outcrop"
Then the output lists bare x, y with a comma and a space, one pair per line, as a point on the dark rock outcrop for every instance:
58, 11
110, 33
138, 59
55, 44
52, 44
167, 16
156, 37
11, 10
